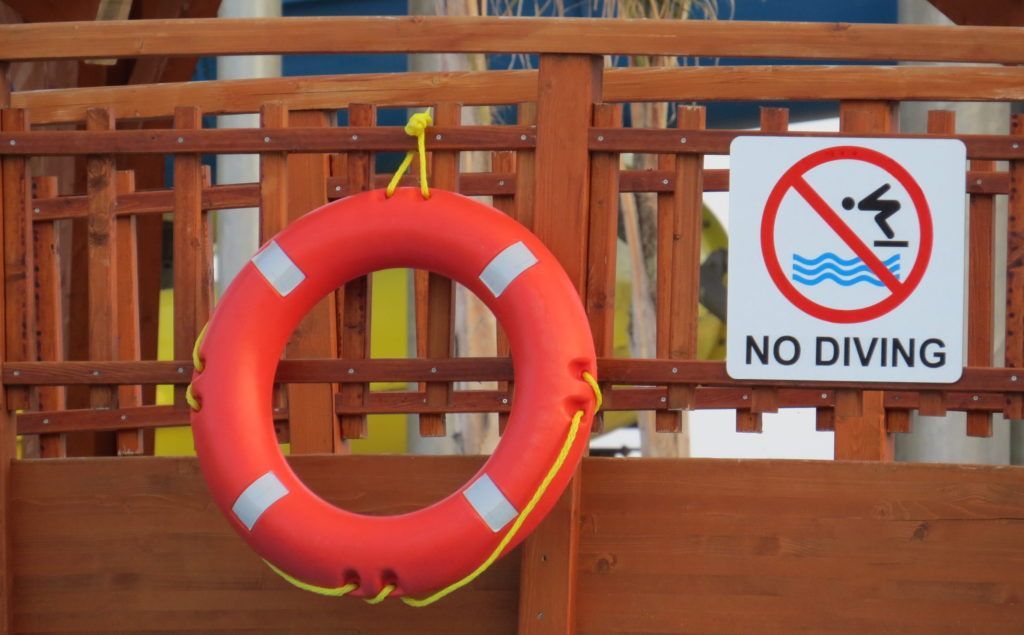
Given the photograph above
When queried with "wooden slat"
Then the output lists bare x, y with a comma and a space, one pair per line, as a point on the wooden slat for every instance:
147, 38
250, 140
981, 291
1015, 273
640, 372
503, 163
354, 299
49, 313
273, 175
129, 346
860, 432
996, 147
696, 83
496, 183
602, 243
188, 187
679, 232
438, 311
313, 424
569, 87
141, 417
19, 286
102, 254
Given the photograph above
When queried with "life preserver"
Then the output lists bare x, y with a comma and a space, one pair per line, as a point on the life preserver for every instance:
322, 547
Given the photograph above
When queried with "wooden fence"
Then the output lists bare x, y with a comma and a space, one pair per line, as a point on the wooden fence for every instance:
634, 546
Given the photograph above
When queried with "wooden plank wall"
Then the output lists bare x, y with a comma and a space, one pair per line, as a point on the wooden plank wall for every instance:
763, 546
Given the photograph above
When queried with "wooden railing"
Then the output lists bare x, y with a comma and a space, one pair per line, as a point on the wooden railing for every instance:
75, 288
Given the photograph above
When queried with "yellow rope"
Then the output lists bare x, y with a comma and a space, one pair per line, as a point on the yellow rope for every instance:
190, 398
380, 597
332, 592
574, 427
416, 127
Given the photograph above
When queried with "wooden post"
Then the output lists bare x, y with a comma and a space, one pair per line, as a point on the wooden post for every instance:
102, 191
354, 298
504, 162
8, 430
860, 427
311, 409
273, 197
129, 442
568, 88
49, 314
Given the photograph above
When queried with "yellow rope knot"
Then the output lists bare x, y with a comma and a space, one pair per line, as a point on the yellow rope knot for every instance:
416, 127
197, 362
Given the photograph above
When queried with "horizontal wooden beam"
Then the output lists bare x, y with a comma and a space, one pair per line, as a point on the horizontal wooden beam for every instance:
633, 372
667, 545
691, 83
252, 140
725, 38
668, 141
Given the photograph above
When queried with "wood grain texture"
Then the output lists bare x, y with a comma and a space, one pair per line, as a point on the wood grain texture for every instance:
816, 547
313, 424
49, 314
812, 547
353, 301
8, 432
694, 83
102, 258
1014, 356
569, 86
187, 242
19, 274
129, 345
981, 291
146, 38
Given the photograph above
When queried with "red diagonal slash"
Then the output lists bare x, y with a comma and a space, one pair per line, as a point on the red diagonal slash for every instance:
845, 233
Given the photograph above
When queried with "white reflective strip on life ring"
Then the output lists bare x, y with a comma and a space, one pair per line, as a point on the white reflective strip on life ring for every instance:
506, 267
257, 498
279, 270
488, 501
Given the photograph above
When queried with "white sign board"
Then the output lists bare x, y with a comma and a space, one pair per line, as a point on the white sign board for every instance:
846, 259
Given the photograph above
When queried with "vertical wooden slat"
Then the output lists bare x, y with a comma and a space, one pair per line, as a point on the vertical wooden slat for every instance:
504, 162
440, 308
129, 442
602, 242
354, 298
1014, 355
49, 314
273, 195
311, 407
188, 192
102, 247
18, 266
568, 87
8, 430
860, 427
766, 399
273, 175
678, 255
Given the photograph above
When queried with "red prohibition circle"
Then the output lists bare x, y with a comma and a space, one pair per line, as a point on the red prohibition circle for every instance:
793, 178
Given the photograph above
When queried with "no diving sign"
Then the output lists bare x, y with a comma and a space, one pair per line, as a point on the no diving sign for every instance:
846, 259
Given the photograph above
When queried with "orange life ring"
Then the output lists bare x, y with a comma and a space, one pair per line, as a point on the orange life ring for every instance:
327, 549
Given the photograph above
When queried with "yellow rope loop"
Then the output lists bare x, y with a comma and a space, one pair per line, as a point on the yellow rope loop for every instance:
380, 597
416, 127
197, 362
190, 398
587, 377
336, 592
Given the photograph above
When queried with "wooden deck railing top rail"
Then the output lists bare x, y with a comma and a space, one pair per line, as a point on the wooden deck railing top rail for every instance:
829, 41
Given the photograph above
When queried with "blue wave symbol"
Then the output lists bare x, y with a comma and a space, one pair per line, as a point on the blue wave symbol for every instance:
845, 272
